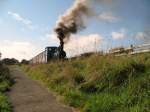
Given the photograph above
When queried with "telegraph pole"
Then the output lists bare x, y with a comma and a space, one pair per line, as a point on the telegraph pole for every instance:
95, 46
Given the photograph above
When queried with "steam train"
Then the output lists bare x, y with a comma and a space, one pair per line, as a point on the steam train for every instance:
50, 53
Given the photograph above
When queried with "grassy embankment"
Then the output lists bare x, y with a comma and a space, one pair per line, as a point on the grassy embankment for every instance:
99, 83
5, 83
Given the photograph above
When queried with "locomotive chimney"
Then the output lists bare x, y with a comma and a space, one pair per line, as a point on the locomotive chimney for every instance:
61, 36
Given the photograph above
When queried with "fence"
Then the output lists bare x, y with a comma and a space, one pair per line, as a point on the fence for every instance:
130, 50
141, 48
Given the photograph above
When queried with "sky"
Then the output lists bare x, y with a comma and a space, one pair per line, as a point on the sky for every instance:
26, 26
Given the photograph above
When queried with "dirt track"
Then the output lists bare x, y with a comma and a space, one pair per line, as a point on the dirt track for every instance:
29, 96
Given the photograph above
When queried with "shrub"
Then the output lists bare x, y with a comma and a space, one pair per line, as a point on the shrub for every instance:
4, 104
102, 103
88, 87
5, 83
75, 98
78, 79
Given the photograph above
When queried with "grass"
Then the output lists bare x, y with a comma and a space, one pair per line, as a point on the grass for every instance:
98, 83
5, 83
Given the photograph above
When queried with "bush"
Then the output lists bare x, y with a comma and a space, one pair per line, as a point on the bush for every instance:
4, 104
78, 79
89, 87
5, 83
102, 103
75, 98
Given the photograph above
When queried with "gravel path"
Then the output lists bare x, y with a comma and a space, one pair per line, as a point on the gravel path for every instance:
28, 96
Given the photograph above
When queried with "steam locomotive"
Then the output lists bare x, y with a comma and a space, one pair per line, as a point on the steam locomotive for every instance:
50, 53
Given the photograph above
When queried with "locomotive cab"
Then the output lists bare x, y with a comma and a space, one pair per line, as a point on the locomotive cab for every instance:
55, 53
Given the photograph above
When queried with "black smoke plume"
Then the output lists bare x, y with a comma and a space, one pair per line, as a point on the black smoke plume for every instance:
74, 19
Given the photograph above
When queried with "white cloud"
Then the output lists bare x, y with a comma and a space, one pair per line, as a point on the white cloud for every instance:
108, 17
28, 23
118, 35
80, 44
143, 36
1, 21
140, 35
17, 49
50, 38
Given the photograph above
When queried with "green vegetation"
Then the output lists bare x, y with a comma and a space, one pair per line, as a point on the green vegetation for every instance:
5, 83
99, 83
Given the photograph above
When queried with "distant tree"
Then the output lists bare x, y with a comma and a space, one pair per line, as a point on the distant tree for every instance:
24, 61
0, 55
11, 61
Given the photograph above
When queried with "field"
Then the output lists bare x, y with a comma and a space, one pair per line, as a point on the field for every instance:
98, 83
5, 83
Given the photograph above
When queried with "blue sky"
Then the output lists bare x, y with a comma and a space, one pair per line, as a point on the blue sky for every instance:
26, 26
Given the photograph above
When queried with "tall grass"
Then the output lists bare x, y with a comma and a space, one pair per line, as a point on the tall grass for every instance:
99, 83
5, 83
